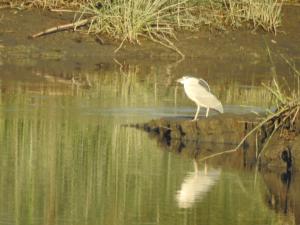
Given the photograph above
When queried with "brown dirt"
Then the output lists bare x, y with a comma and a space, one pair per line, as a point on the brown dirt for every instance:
238, 54
197, 139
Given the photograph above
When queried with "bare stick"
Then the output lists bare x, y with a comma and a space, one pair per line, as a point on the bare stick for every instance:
269, 118
63, 10
120, 46
63, 27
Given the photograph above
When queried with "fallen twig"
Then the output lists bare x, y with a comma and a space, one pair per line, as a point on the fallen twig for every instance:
64, 10
63, 27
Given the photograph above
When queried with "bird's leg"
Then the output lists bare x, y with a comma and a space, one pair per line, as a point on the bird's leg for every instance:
207, 110
196, 115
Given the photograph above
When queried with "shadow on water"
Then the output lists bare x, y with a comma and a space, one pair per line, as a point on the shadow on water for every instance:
66, 158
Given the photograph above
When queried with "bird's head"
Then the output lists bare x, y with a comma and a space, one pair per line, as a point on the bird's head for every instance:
187, 79
183, 79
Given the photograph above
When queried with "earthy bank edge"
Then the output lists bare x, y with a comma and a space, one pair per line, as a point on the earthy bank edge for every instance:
79, 51
220, 133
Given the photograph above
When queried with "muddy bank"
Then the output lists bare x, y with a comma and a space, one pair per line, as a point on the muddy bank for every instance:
227, 127
219, 133
208, 53
206, 136
197, 139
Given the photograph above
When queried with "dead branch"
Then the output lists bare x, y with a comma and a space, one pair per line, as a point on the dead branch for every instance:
64, 10
63, 27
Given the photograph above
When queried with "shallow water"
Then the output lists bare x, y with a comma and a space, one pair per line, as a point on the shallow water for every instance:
66, 157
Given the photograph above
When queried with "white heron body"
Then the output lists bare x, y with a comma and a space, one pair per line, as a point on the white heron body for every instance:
199, 92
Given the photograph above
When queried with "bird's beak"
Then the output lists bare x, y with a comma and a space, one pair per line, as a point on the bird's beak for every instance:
179, 80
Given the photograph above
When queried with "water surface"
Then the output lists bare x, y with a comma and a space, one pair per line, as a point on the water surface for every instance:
66, 157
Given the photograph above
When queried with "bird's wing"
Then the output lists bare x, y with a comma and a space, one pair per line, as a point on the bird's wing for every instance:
202, 97
204, 84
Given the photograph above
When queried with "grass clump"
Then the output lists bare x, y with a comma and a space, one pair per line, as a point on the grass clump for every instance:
129, 20
265, 14
158, 20
261, 13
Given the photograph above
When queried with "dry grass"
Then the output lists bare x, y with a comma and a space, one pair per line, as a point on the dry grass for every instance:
131, 20
260, 13
43, 3
265, 14
158, 20
282, 120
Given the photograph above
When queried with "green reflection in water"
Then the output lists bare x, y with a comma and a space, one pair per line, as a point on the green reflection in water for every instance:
66, 161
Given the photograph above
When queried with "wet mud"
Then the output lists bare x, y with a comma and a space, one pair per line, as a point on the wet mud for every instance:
219, 133
208, 53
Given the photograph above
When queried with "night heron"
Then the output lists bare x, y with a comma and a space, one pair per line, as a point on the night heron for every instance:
198, 91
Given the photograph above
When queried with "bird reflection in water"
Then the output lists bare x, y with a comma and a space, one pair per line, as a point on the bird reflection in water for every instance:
196, 185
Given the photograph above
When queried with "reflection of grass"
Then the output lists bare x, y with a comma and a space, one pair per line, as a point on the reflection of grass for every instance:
56, 164
137, 86
134, 85
243, 95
